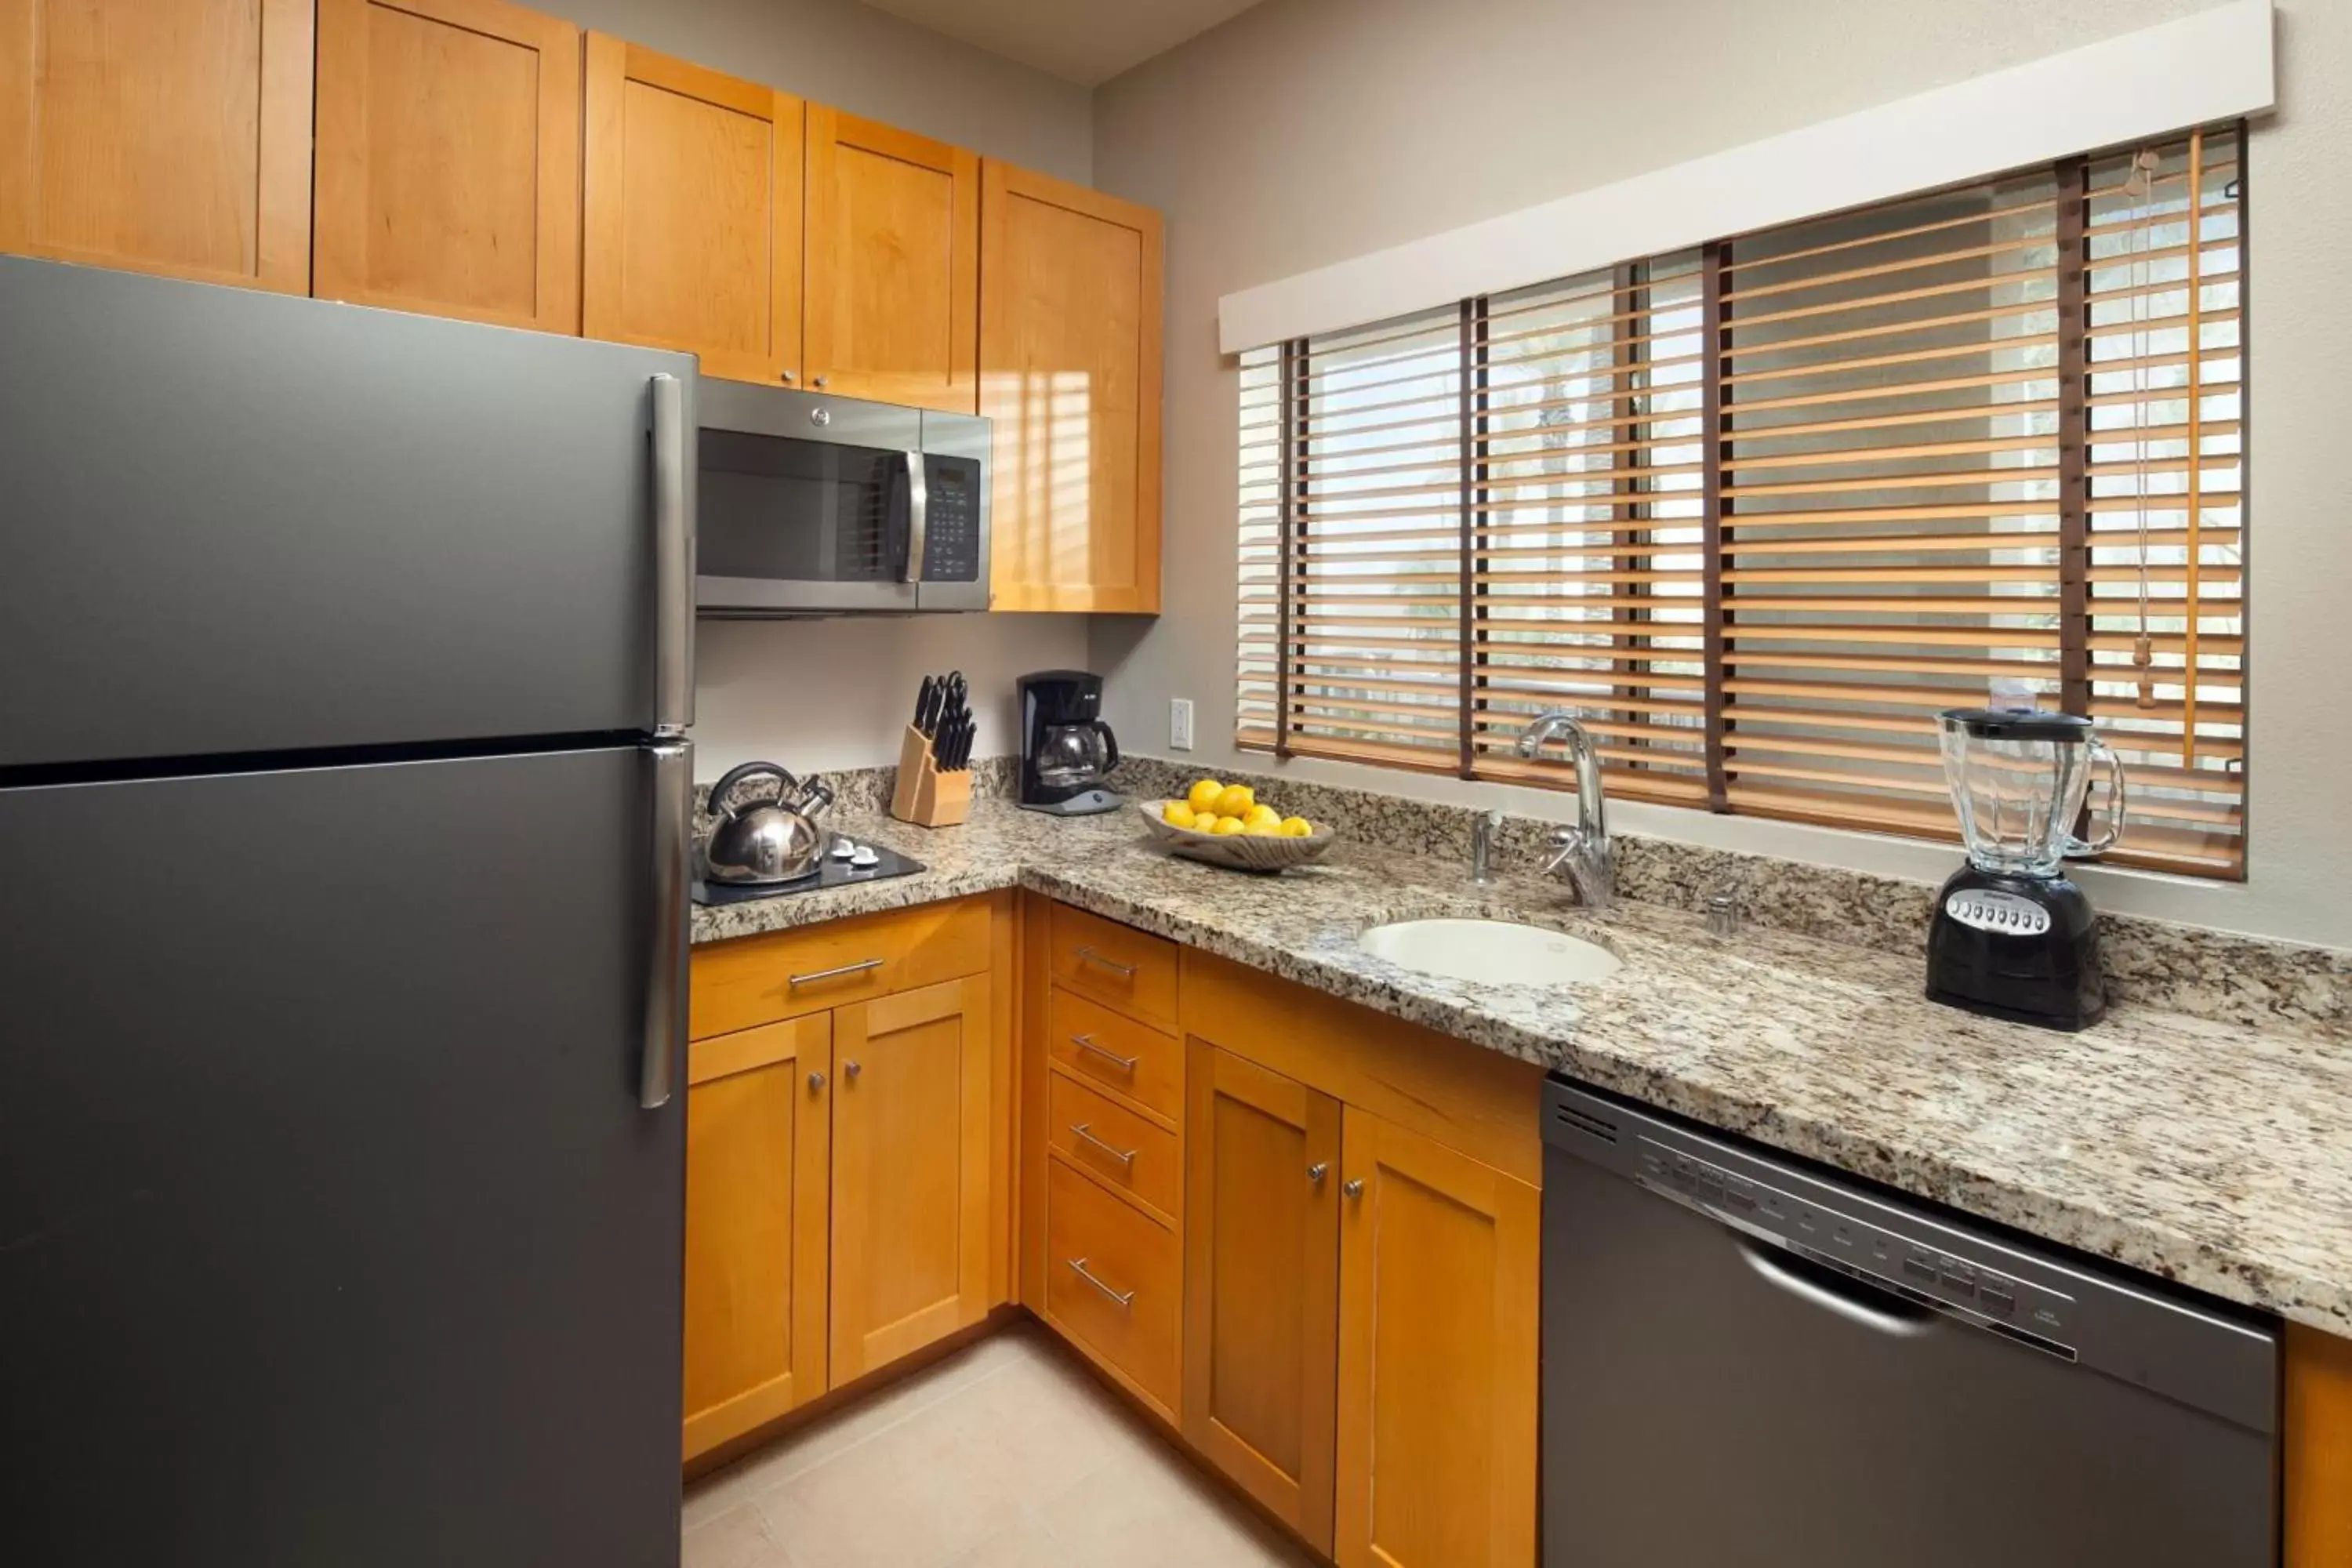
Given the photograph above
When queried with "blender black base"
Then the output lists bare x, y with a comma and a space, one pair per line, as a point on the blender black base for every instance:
2051, 978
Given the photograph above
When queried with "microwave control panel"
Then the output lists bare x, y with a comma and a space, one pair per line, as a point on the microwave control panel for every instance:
951, 520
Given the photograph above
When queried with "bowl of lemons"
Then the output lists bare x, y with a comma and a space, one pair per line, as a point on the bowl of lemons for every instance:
1227, 824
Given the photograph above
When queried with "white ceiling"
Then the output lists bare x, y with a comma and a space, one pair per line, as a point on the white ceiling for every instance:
1084, 41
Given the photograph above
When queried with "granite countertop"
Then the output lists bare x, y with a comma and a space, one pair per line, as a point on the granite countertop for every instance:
2215, 1155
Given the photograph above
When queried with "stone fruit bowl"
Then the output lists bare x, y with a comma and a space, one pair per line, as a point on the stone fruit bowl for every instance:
1241, 852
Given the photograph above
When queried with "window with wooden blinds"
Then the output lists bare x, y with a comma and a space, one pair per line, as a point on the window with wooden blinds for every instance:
1756, 511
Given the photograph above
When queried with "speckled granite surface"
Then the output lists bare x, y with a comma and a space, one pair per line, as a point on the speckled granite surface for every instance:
2214, 1154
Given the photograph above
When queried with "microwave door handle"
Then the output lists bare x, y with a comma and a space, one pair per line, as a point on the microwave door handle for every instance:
918, 506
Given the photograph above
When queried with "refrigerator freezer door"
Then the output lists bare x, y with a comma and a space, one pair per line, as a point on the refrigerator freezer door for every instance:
242, 523
331, 1229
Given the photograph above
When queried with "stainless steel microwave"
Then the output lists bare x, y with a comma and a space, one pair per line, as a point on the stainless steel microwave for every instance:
811, 505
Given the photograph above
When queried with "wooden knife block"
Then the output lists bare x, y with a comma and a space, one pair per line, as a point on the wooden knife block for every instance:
925, 796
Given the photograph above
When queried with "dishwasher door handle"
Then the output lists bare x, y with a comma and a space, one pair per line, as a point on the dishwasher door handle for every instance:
1886, 1314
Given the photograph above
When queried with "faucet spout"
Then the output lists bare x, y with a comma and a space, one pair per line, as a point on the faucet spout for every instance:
1584, 851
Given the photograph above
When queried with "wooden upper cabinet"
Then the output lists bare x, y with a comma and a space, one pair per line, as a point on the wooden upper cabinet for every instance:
693, 213
893, 265
1261, 1283
449, 150
1439, 1275
168, 136
757, 1134
911, 1161
1069, 368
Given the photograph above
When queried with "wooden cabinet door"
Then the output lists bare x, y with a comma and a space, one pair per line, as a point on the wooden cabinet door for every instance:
692, 213
2318, 1459
449, 160
893, 270
1438, 1282
167, 136
1069, 370
757, 1126
1261, 1283
911, 1170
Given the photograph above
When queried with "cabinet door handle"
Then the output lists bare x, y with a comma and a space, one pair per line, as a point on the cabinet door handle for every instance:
820, 381
816, 1082
854, 1068
1124, 1297
1084, 1130
1354, 1189
1318, 1170
1126, 1064
1088, 956
832, 973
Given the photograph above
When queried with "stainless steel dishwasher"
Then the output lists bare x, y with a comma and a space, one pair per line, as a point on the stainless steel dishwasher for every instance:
1746, 1365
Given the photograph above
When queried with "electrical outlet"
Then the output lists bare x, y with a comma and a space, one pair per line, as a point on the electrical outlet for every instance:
1180, 723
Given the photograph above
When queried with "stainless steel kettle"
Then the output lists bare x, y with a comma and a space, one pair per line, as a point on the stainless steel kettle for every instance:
766, 840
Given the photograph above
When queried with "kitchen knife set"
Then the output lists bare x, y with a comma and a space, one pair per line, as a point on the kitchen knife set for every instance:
934, 785
943, 715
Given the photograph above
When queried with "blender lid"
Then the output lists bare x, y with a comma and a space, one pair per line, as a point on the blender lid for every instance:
2018, 724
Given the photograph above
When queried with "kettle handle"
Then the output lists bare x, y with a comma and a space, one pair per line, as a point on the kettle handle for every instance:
2116, 796
733, 776
1109, 741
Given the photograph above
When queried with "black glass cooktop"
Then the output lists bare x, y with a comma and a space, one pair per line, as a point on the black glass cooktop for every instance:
834, 869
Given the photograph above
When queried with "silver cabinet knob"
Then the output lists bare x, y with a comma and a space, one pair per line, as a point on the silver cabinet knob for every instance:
1318, 1170
852, 1068
816, 1081
785, 376
1354, 1189
820, 381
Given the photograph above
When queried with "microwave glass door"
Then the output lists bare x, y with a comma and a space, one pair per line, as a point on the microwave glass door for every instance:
778, 508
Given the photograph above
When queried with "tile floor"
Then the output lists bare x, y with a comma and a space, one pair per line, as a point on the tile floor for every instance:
1006, 1455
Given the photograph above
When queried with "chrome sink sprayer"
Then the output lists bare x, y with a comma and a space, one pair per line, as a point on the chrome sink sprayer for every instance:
1583, 851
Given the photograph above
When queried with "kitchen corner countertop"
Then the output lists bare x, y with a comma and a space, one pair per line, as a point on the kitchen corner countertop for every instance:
2214, 1155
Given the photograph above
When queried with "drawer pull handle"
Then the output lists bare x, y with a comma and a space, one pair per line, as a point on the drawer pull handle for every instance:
1124, 1299
1125, 970
1124, 1064
1083, 1130
833, 973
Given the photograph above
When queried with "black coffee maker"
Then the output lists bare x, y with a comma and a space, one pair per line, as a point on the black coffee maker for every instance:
2012, 936
1066, 748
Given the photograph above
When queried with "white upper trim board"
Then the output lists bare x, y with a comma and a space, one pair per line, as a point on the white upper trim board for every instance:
2214, 65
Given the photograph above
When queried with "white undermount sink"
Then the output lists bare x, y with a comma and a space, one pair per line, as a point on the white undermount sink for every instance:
1490, 952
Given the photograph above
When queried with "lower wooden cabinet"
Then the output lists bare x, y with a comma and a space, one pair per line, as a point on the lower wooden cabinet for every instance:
758, 1114
912, 1157
1260, 1284
1439, 1280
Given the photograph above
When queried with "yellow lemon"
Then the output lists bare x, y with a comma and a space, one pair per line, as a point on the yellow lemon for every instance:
1227, 827
1177, 814
1203, 796
1298, 827
1258, 814
1262, 829
1235, 800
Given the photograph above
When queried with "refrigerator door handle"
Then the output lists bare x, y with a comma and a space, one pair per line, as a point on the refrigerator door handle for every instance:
674, 561
665, 975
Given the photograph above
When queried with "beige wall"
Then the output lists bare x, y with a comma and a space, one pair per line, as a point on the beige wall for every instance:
1306, 131
835, 694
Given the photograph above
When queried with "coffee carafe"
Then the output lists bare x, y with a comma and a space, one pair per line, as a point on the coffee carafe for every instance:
1066, 748
2012, 936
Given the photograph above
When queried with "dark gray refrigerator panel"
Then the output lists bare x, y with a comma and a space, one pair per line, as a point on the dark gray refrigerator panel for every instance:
331, 1229
238, 522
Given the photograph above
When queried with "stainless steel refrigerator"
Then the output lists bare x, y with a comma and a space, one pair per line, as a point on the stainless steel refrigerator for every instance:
343, 838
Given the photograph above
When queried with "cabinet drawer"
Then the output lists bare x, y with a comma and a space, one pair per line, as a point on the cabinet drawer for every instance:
762, 979
1123, 1308
1107, 1048
1115, 964
1104, 1137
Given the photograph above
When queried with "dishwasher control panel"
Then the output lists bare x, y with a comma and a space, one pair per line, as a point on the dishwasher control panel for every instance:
1911, 1267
